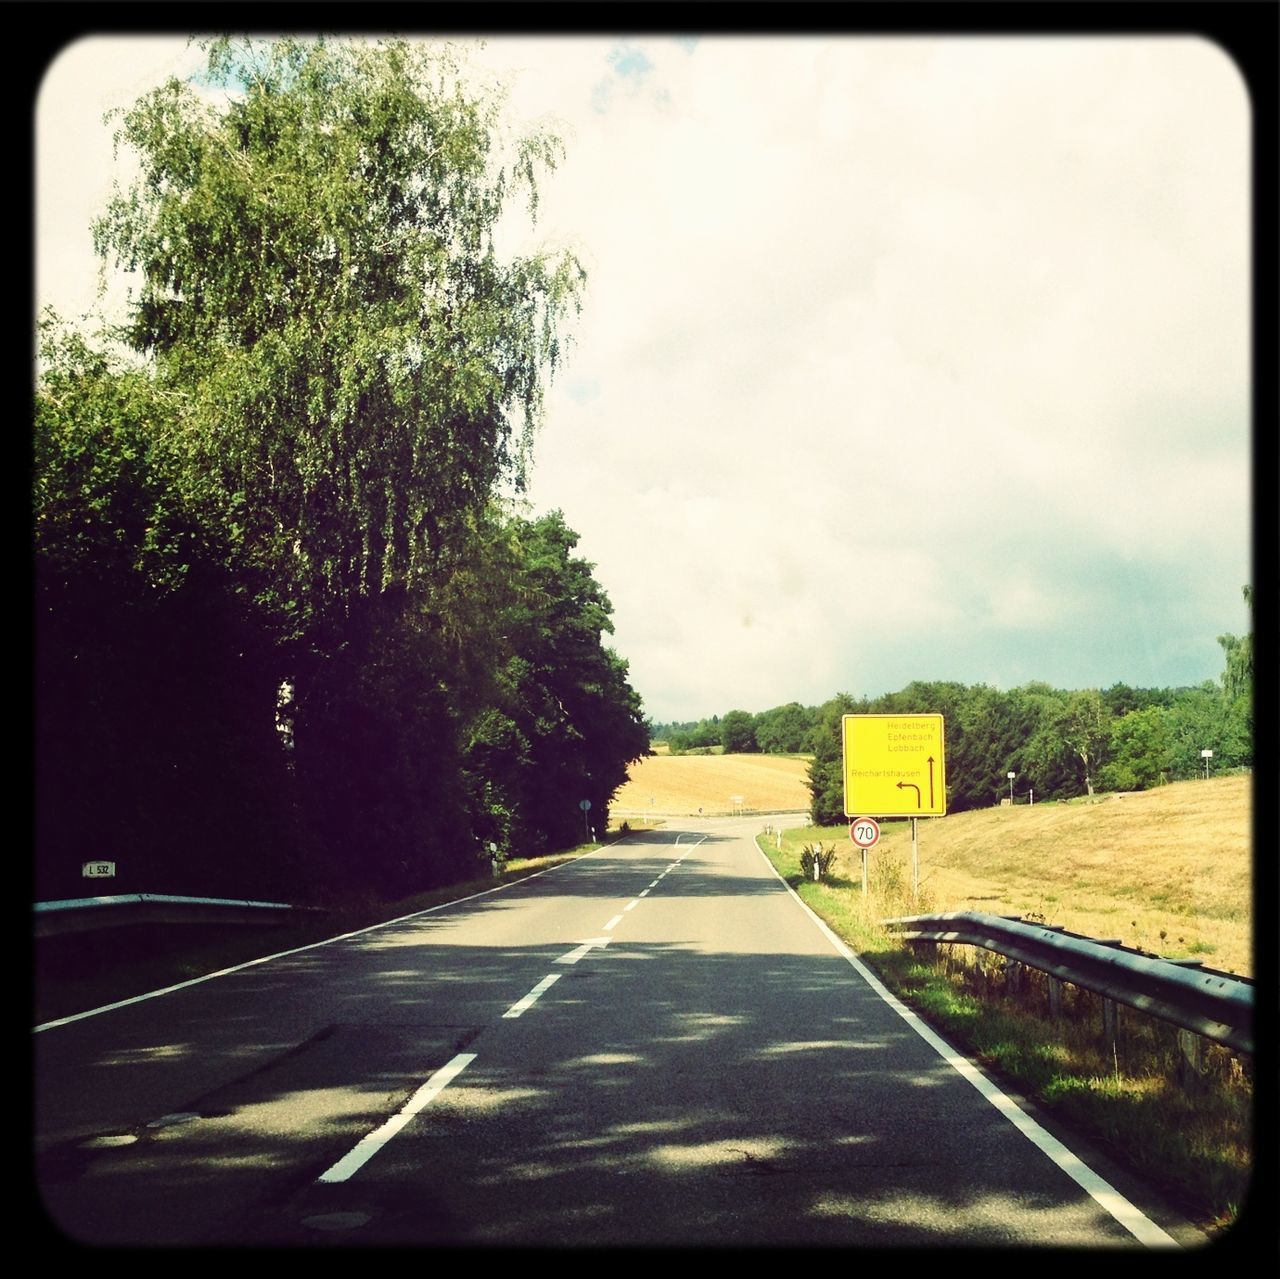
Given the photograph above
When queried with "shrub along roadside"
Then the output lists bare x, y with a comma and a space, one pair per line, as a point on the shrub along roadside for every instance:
1194, 1144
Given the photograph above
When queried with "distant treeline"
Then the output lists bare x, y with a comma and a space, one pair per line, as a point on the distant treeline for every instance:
1060, 743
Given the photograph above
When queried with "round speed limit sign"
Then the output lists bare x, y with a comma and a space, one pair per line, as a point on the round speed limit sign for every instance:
864, 831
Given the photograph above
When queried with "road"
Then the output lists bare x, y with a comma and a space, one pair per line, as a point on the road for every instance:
653, 1044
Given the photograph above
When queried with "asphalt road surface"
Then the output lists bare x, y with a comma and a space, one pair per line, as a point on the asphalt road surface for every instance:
655, 1044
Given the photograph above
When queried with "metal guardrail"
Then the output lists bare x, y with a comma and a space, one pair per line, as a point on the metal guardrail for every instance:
79, 914
1216, 1005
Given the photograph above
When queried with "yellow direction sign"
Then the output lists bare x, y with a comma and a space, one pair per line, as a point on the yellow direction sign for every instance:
894, 766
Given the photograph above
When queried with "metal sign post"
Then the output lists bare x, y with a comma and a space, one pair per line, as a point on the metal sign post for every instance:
865, 832
915, 858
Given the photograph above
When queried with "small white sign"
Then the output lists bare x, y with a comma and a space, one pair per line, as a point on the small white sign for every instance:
98, 870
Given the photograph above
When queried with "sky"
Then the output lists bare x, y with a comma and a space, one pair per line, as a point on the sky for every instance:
899, 358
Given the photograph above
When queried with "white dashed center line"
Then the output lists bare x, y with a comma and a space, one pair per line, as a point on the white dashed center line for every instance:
371, 1143
533, 996
574, 955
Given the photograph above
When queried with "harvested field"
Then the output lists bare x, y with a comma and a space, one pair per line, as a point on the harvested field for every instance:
1168, 870
678, 785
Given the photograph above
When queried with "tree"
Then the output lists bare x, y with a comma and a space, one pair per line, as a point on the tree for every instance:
737, 733
563, 724
826, 769
783, 729
150, 676
1139, 751
1083, 728
1237, 677
1047, 763
348, 358
334, 370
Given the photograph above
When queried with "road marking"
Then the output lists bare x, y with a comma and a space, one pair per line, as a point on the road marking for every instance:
574, 955
371, 1143
617, 919
632, 905
1102, 1192
646, 892
655, 882
533, 996
328, 941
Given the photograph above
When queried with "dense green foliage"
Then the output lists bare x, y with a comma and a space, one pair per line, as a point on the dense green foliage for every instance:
784, 730
288, 637
561, 723
1060, 743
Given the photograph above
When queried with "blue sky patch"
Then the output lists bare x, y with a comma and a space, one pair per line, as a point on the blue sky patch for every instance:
630, 61
583, 390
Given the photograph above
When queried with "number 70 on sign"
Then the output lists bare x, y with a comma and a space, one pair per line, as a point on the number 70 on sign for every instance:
864, 831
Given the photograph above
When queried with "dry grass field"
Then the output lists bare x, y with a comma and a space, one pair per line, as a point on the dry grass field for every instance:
1167, 870
677, 785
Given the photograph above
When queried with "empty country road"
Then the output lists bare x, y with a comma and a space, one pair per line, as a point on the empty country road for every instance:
654, 1044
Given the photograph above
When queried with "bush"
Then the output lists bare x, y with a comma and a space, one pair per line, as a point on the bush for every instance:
815, 852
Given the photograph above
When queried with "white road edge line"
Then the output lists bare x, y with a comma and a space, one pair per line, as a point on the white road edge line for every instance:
533, 996
1111, 1200
631, 905
617, 919
372, 1142
328, 941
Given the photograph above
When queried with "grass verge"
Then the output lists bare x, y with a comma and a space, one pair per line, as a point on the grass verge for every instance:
1190, 1138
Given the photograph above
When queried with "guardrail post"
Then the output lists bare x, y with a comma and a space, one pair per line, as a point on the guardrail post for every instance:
1055, 998
1110, 1026
1190, 1060
1013, 977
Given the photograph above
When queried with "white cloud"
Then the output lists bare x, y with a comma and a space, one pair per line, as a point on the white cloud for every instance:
900, 357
